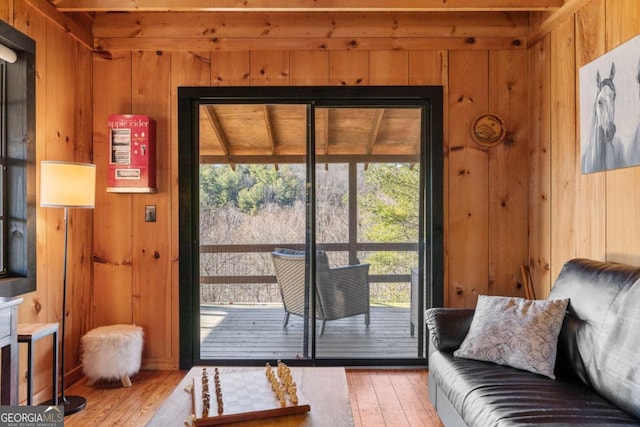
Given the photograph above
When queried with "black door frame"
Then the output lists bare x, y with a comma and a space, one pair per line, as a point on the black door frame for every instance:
431, 256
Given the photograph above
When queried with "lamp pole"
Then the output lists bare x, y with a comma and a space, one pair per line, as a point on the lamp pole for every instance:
72, 404
62, 399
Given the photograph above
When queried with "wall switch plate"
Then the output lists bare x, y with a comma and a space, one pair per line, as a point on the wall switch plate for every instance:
150, 213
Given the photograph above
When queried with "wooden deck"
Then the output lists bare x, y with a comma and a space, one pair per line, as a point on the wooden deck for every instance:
256, 332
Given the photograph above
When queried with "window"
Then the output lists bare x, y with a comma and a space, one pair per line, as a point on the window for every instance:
17, 162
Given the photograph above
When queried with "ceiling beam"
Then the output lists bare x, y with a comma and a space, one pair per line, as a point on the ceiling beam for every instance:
325, 142
304, 5
269, 124
217, 129
74, 28
270, 135
305, 43
375, 129
220, 134
566, 11
310, 25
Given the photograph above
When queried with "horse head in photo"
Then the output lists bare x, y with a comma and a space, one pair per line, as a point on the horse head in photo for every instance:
604, 150
605, 104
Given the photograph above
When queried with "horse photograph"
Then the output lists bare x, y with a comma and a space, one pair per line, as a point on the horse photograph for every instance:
610, 109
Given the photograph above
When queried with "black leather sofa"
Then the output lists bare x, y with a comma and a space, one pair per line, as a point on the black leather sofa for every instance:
597, 365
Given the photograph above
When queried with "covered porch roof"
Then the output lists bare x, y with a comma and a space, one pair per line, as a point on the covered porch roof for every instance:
276, 133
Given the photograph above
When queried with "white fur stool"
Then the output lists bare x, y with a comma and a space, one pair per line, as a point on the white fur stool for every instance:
112, 352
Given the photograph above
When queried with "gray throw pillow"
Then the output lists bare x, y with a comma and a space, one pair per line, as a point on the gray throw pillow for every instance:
516, 332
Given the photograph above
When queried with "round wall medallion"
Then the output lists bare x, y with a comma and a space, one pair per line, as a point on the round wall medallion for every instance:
488, 130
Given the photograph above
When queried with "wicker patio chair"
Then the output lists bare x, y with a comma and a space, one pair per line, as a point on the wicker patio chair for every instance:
341, 292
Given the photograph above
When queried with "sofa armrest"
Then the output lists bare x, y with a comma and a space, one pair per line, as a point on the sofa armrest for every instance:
447, 327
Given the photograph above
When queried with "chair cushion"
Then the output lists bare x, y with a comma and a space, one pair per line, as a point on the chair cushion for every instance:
322, 260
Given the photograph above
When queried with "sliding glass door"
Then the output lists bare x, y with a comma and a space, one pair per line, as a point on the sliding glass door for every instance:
368, 231
310, 224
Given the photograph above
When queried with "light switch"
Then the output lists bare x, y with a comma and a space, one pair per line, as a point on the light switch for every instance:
150, 213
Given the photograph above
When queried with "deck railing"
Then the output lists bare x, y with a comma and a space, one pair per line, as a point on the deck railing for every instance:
243, 273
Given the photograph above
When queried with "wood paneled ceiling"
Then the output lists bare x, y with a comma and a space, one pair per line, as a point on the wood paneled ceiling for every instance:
240, 133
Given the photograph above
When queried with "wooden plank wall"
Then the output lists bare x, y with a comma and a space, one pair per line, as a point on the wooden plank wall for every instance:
575, 215
63, 132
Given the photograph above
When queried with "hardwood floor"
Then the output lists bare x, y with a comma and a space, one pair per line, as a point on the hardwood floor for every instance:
393, 398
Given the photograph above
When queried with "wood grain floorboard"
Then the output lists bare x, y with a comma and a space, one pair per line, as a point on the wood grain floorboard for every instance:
236, 331
390, 398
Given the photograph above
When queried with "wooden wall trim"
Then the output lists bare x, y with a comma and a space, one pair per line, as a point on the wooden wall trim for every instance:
564, 150
228, 31
305, 5
317, 44
81, 33
310, 25
552, 22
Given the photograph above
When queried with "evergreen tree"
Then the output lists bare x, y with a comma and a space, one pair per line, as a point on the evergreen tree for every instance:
248, 187
389, 210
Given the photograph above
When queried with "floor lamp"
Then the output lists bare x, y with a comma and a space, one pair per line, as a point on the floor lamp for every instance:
67, 185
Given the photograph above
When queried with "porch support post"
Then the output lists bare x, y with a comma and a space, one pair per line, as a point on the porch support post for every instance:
353, 213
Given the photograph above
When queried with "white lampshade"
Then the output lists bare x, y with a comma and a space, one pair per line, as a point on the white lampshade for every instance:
65, 184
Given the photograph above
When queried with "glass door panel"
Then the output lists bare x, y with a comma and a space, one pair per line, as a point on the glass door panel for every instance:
368, 231
252, 175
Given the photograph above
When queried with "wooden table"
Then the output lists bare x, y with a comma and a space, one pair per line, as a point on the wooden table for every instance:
325, 389
29, 333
